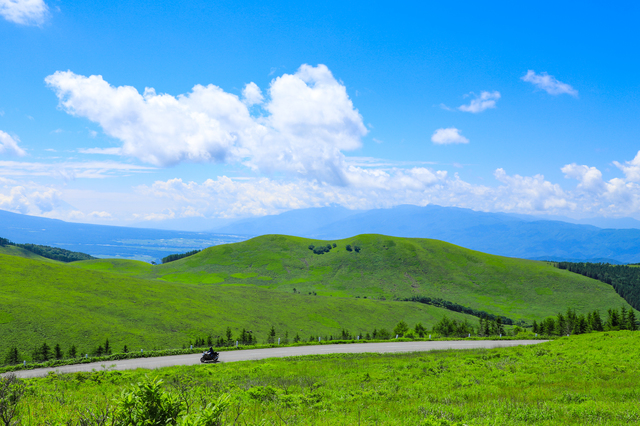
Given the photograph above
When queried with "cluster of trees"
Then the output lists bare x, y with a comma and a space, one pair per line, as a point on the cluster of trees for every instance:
54, 253
45, 352
624, 279
322, 249
571, 323
243, 338
441, 303
174, 257
355, 248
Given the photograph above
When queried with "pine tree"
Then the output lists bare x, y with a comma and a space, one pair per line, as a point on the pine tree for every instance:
271, 337
125, 349
631, 320
623, 318
534, 328
597, 322
45, 352
73, 351
58, 351
12, 357
107, 348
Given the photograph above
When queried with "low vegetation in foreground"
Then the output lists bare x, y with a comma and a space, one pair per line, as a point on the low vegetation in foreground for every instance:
585, 379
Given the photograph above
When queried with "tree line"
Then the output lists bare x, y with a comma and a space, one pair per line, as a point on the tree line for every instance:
624, 279
45, 352
455, 307
571, 323
174, 257
54, 253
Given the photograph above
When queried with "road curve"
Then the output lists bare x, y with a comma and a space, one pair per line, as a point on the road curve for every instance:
255, 354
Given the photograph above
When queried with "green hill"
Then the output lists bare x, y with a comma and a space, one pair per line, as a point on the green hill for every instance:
57, 303
384, 268
19, 251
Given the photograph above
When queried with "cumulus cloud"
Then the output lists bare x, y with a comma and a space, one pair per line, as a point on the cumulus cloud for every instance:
631, 169
310, 121
486, 100
549, 84
9, 145
28, 197
448, 136
252, 94
24, 12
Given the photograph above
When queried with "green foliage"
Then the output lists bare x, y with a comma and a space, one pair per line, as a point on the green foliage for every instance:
401, 328
174, 257
146, 403
348, 247
11, 391
572, 323
458, 308
12, 357
447, 328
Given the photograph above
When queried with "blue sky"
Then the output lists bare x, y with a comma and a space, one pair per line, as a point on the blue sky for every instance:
142, 112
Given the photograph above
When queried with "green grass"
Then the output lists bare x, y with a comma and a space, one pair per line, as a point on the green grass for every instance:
61, 304
386, 267
582, 380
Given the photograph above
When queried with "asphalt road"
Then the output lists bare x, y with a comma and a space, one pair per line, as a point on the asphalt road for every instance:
255, 354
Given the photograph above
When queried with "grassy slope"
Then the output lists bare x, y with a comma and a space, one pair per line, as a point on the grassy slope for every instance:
57, 303
386, 266
586, 379
19, 251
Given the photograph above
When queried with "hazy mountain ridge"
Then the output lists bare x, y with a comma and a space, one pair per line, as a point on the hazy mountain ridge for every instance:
495, 233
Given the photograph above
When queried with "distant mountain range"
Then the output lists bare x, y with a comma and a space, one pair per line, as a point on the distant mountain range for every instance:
496, 233
502, 234
106, 241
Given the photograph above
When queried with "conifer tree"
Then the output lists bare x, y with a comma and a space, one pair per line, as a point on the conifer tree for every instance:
57, 351
631, 321
107, 348
12, 357
45, 352
73, 351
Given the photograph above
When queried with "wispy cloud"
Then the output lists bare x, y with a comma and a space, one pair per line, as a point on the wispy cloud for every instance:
9, 145
71, 170
101, 151
549, 84
24, 12
486, 100
448, 136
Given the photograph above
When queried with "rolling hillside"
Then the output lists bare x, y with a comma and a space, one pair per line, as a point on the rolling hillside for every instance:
385, 268
42, 300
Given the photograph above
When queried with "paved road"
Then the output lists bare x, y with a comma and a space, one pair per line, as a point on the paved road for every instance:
254, 354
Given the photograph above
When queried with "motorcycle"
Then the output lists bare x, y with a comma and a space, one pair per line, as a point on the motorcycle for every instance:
208, 357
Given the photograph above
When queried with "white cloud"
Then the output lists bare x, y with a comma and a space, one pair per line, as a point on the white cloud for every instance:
252, 94
24, 12
102, 151
311, 120
372, 184
631, 169
9, 145
549, 83
485, 101
28, 197
447, 136
71, 170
